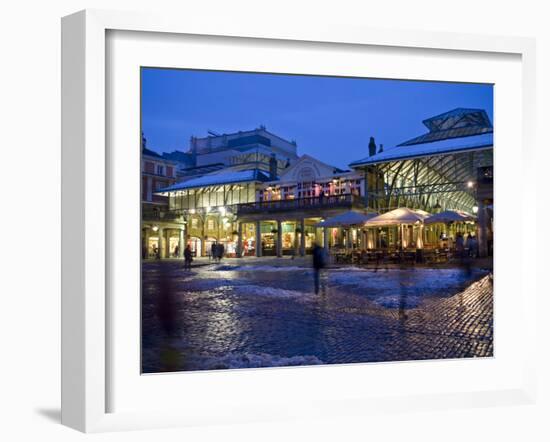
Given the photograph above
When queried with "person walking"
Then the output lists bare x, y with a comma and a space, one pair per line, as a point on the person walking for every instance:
188, 257
470, 244
221, 251
473, 247
213, 251
459, 245
318, 264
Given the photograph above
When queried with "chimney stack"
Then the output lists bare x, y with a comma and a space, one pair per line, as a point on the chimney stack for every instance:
372, 147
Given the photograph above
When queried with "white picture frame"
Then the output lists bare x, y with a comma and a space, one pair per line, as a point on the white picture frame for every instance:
85, 198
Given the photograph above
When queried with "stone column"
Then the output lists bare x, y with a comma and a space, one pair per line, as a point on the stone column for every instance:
420, 237
181, 243
325, 240
279, 239
258, 238
296, 244
146, 242
162, 245
240, 240
302, 237
482, 229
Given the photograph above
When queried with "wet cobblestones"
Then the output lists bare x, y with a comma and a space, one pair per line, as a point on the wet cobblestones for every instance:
231, 317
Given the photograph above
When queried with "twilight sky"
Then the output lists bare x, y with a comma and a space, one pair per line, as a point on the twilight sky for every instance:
330, 118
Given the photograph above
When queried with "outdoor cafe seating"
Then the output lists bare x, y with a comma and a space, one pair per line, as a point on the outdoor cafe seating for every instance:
404, 249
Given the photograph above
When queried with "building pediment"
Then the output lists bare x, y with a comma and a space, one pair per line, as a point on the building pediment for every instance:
307, 169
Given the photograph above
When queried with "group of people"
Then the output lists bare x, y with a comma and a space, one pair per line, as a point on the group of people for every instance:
217, 251
466, 247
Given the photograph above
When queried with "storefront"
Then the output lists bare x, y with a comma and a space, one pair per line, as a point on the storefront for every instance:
268, 234
289, 238
195, 243
249, 239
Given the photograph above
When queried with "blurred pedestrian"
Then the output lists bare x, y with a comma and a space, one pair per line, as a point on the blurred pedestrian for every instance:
213, 251
470, 244
188, 257
318, 264
221, 251
459, 245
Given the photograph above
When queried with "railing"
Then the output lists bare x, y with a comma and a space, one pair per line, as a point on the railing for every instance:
348, 200
162, 215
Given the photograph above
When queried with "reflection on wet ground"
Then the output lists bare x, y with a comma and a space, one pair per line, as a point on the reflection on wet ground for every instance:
227, 316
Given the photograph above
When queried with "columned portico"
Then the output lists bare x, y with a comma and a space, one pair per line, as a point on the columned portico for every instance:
296, 239
146, 234
162, 245
279, 237
302, 237
181, 243
258, 239
240, 240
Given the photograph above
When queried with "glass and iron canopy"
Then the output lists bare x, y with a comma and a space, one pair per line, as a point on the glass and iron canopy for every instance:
438, 170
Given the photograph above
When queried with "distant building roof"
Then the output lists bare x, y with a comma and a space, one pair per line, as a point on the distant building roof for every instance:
150, 153
239, 140
218, 179
180, 157
200, 170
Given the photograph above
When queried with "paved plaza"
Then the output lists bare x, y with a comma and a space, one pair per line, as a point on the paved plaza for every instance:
263, 313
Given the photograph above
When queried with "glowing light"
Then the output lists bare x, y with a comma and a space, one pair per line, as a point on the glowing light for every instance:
470, 184
192, 211
222, 211
475, 209
207, 209
155, 228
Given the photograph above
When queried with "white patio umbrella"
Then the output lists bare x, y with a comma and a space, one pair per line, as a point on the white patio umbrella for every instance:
396, 217
422, 212
449, 216
400, 217
346, 219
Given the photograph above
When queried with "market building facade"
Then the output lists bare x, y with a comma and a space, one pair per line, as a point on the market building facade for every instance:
252, 192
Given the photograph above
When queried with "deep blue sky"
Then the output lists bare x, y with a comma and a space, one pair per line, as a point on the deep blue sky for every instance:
331, 118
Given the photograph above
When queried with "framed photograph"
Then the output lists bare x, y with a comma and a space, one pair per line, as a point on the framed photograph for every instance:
267, 222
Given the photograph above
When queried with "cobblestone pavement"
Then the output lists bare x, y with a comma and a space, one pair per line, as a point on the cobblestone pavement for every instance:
228, 316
